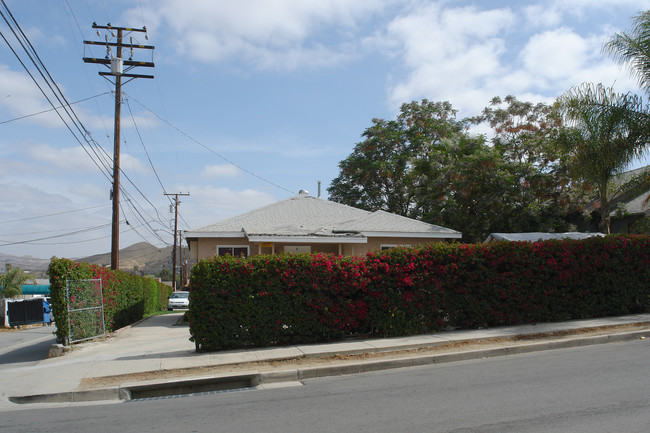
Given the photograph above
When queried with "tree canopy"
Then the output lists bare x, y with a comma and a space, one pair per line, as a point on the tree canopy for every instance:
12, 280
609, 130
633, 49
427, 165
378, 175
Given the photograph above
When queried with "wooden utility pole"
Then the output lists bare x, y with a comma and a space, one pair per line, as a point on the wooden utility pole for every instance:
176, 203
116, 64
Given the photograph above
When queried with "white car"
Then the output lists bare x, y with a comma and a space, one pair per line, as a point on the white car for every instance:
179, 300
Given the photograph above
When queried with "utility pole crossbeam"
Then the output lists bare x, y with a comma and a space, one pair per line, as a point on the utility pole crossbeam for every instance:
116, 65
176, 203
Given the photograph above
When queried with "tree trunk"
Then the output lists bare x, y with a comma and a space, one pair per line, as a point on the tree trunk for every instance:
604, 208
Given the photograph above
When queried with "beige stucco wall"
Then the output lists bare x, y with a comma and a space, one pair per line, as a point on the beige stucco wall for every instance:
207, 247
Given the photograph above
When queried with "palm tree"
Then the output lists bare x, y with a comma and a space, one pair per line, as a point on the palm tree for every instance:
633, 49
11, 281
609, 131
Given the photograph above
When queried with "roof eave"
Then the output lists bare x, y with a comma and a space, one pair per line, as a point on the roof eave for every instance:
195, 235
309, 239
441, 235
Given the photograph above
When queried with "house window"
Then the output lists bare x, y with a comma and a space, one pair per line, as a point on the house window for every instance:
389, 246
232, 250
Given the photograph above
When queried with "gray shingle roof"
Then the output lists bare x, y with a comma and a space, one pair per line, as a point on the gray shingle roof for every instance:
538, 236
633, 204
303, 215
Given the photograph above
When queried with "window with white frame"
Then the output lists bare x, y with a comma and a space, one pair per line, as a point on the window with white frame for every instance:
233, 250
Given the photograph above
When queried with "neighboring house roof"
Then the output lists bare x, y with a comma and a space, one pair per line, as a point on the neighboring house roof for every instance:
305, 218
634, 203
538, 236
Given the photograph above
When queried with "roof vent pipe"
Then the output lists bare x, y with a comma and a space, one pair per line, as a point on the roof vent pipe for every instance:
319, 189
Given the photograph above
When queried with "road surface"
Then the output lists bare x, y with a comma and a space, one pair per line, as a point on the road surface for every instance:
593, 389
25, 346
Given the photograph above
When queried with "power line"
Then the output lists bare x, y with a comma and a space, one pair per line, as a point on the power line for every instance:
211, 150
137, 130
51, 109
46, 76
6, 243
101, 158
50, 231
53, 214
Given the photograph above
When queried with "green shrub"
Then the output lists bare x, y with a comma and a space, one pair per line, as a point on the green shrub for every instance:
127, 298
284, 299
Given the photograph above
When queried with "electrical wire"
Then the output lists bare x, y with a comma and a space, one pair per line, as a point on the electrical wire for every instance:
137, 130
53, 214
47, 78
5, 243
211, 150
101, 158
51, 109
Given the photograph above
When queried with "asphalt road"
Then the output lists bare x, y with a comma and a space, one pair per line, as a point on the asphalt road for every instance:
593, 389
26, 346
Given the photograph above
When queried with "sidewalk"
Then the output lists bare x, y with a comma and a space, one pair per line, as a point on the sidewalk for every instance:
155, 357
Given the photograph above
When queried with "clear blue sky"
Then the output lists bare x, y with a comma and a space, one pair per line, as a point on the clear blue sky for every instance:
254, 100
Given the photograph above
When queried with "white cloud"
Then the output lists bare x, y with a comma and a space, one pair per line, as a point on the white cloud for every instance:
560, 59
90, 191
18, 196
222, 170
73, 159
540, 15
556, 54
208, 204
20, 96
452, 53
266, 35
467, 55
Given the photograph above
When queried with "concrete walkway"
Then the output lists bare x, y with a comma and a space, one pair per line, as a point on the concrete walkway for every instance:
157, 354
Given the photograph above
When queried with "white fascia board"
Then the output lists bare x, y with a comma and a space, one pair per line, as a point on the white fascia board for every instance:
199, 235
456, 235
307, 239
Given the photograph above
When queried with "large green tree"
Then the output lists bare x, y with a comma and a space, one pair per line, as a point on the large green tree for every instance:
12, 280
426, 165
608, 131
516, 182
378, 175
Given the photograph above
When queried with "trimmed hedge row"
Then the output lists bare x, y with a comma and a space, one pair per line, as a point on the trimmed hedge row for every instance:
127, 298
286, 299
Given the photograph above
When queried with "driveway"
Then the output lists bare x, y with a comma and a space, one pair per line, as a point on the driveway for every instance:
27, 345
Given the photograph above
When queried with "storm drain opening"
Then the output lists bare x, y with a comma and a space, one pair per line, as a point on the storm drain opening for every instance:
191, 386
196, 394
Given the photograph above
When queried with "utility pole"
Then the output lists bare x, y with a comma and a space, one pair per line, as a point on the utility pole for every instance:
176, 203
116, 65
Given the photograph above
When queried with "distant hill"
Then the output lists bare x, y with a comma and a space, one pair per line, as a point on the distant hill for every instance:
143, 256
37, 267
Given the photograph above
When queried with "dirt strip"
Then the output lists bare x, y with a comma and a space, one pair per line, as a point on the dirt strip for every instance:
332, 359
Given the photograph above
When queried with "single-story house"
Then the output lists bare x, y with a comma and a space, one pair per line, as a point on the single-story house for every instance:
303, 223
538, 236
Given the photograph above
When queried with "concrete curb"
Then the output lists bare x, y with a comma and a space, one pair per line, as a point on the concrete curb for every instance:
259, 379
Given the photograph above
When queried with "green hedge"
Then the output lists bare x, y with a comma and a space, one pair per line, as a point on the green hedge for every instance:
127, 298
284, 299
